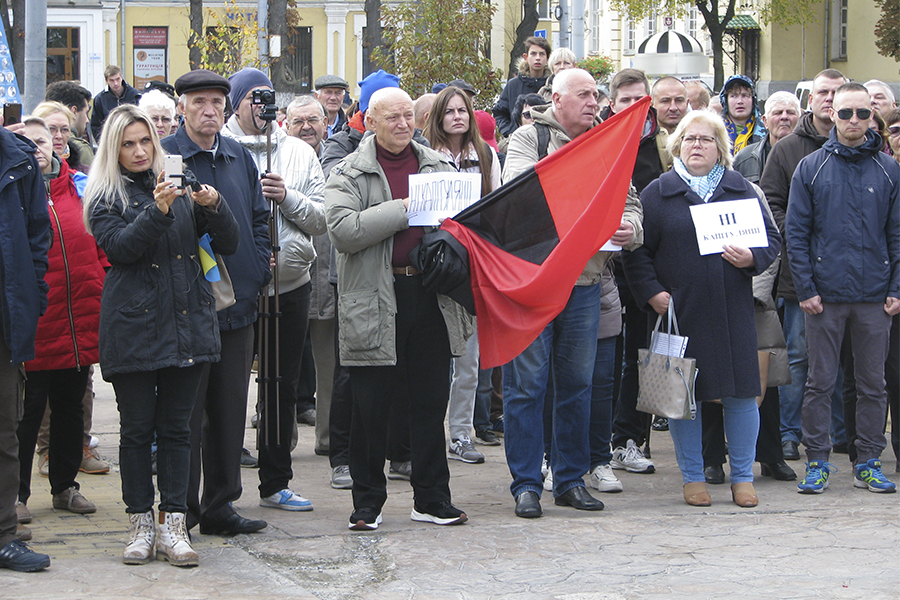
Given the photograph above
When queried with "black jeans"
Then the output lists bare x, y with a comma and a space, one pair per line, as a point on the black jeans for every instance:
278, 417
419, 387
64, 390
12, 389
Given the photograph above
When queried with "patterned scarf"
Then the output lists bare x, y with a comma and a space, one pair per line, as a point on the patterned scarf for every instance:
705, 185
740, 140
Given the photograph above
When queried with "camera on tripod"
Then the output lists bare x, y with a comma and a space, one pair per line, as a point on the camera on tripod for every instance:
266, 99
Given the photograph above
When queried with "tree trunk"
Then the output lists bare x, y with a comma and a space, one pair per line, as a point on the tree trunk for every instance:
373, 35
196, 20
523, 31
278, 26
716, 27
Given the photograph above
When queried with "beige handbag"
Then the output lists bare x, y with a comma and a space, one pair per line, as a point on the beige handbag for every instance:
666, 383
222, 290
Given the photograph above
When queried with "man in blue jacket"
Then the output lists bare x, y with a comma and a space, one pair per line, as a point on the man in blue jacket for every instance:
219, 415
843, 242
24, 241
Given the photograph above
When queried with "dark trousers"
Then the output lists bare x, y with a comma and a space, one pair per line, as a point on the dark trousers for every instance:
64, 390
768, 442
306, 382
419, 386
12, 392
628, 422
278, 416
156, 403
217, 428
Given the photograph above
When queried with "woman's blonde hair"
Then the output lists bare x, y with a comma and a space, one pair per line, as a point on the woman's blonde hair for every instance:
723, 142
561, 54
45, 109
106, 181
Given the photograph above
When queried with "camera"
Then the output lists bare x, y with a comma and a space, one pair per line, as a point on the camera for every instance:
266, 99
190, 181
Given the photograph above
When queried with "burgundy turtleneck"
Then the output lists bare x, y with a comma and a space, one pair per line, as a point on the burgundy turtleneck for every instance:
397, 168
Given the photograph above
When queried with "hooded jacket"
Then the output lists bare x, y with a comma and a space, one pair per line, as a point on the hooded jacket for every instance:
750, 161
24, 240
776, 183
522, 83
301, 214
843, 223
67, 334
759, 128
362, 219
523, 154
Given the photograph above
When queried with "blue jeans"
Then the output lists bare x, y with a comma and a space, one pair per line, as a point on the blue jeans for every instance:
741, 418
571, 340
604, 380
791, 395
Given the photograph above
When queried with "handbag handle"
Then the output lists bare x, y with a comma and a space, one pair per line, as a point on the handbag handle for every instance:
672, 323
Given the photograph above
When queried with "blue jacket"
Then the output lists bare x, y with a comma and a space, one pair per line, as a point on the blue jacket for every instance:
24, 240
843, 223
157, 310
234, 175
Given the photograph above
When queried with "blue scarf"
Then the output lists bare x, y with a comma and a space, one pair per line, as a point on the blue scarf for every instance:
705, 185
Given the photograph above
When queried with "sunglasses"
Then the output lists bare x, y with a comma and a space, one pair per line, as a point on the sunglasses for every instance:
845, 114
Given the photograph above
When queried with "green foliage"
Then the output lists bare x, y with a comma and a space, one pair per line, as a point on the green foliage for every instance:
887, 29
783, 12
432, 41
232, 44
600, 66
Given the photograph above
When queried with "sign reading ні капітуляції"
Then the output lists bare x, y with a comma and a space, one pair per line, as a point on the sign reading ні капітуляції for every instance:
732, 222
436, 196
9, 87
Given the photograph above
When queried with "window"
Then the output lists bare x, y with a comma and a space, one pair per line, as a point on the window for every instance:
692, 22
298, 58
543, 7
630, 44
651, 22
838, 34
596, 11
63, 55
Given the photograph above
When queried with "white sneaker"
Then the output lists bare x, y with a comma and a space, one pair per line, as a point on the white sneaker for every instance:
141, 539
172, 542
548, 481
631, 459
286, 499
604, 480
545, 467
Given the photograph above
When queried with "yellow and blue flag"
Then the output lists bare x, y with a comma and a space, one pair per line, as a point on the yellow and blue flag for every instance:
208, 259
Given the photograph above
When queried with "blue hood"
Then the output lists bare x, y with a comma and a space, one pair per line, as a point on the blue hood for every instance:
870, 147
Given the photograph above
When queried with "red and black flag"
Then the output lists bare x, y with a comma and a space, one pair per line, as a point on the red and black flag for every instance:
529, 240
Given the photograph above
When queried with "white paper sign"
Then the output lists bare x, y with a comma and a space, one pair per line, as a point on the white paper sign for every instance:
434, 196
733, 222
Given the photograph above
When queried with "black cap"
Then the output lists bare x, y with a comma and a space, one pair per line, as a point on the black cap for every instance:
201, 79
463, 85
166, 88
331, 81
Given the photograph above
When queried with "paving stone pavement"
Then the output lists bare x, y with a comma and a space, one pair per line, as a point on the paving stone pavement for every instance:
646, 544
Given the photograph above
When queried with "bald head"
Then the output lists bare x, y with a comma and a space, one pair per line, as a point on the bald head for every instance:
391, 117
422, 107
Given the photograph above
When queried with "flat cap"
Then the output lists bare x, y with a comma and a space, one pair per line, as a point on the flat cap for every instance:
463, 85
201, 79
327, 81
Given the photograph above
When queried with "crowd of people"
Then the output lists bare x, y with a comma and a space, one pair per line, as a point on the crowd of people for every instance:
285, 243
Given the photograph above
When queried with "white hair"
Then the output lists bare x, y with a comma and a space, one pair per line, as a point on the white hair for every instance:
781, 99
304, 100
878, 83
561, 54
158, 100
563, 79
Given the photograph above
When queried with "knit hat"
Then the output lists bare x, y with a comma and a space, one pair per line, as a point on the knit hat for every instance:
245, 80
487, 127
374, 82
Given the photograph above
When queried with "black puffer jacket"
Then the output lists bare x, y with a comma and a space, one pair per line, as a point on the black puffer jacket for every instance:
157, 310
776, 184
515, 87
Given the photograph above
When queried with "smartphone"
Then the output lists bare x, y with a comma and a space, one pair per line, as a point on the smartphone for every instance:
174, 168
12, 114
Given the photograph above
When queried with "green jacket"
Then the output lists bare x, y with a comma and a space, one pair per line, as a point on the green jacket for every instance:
362, 218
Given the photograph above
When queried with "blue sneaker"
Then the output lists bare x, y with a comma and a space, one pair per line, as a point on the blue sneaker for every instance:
286, 500
17, 556
816, 479
869, 475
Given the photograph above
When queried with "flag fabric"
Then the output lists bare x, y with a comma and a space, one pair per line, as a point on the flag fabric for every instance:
529, 240
208, 259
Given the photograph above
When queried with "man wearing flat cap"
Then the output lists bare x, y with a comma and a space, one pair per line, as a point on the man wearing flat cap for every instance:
217, 425
330, 90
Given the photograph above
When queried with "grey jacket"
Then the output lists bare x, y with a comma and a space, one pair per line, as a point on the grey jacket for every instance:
522, 154
362, 218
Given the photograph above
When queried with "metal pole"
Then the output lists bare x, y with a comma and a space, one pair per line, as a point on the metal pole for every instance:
262, 38
35, 79
563, 23
123, 60
578, 28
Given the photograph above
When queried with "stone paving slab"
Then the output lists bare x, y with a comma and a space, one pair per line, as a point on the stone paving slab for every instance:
646, 544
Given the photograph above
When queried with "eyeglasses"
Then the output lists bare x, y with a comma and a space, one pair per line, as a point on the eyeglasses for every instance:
894, 130
303, 122
63, 130
703, 140
845, 114
161, 119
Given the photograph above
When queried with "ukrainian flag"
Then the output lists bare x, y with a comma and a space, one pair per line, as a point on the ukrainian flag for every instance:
208, 259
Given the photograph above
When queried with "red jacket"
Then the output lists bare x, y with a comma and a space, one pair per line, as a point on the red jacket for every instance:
67, 334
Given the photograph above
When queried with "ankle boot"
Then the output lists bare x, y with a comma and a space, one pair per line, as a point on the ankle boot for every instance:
141, 539
696, 494
744, 495
172, 542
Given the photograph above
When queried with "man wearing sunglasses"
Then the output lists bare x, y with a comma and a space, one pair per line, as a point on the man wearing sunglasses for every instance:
843, 242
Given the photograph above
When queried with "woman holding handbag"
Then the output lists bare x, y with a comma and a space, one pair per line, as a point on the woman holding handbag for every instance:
712, 296
157, 320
